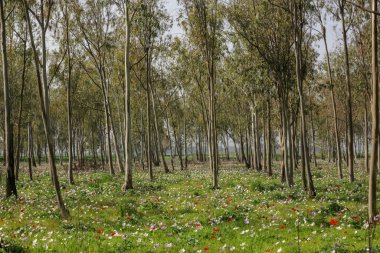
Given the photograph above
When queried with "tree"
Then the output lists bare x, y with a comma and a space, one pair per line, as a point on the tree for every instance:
43, 20
127, 72
8, 126
205, 25
298, 32
375, 118
350, 135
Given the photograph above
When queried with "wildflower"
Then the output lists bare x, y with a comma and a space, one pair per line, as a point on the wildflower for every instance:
205, 248
156, 245
283, 227
213, 236
216, 229
246, 221
334, 222
99, 231
168, 245
279, 250
153, 227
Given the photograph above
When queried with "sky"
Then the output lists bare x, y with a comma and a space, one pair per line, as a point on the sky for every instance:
333, 34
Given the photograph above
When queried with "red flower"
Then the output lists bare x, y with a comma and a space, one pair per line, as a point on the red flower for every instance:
213, 236
216, 229
334, 222
205, 248
99, 231
230, 219
113, 233
283, 227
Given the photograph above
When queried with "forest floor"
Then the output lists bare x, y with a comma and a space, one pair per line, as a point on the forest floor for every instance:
179, 212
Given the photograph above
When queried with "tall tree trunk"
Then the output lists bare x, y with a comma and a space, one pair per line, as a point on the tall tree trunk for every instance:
158, 134
8, 127
257, 143
269, 141
313, 138
128, 131
116, 143
366, 157
44, 101
69, 102
350, 135
108, 141
298, 49
148, 116
372, 210
21, 109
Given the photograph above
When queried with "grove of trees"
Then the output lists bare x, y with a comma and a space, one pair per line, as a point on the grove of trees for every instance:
107, 85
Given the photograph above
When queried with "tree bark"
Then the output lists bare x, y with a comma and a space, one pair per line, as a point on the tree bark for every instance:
30, 150
350, 134
44, 100
299, 74
21, 109
372, 210
128, 183
8, 127
69, 102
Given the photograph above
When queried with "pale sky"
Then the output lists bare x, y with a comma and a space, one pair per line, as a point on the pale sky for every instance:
333, 35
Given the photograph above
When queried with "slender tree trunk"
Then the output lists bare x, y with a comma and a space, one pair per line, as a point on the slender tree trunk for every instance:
158, 135
148, 115
128, 132
44, 104
108, 129
69, 102
269, 141
257, 143
372, 210
298, 39
350, 135
8, 127
116, 143
313, 139
30, 150
20, 110
366, 157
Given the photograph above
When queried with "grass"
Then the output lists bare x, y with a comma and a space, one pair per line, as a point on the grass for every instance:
179, 212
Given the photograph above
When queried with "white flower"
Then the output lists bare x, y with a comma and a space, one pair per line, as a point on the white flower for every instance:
279, 250
182, 250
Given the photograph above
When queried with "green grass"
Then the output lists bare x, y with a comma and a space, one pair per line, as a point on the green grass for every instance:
179, 211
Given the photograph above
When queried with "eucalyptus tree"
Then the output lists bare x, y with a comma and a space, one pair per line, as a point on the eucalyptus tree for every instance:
99, 44
299, 15
375, 117
250, 21
8, 126
42, 16
318, 14
344, 14
127, 80
205, 23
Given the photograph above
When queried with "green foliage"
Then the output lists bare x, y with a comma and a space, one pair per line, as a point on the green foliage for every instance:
251, 213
